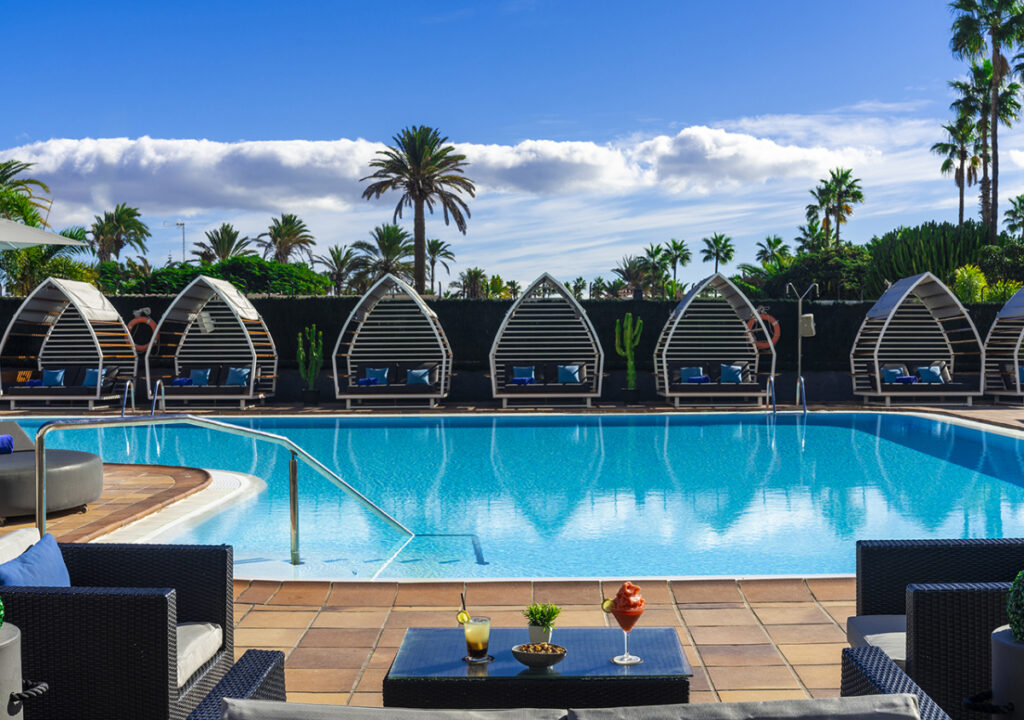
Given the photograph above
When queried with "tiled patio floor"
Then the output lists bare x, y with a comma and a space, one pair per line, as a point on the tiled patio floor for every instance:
753, 639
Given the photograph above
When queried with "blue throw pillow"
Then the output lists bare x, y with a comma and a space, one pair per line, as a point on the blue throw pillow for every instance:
200, 377
931, 374
889, 375
238, 376
6, 444
34, 383
1020, 373
181, 382
378, 374
568, 373
53, 378
688, 372
93, 377
418, 377
522, 372
40, 566
732, 374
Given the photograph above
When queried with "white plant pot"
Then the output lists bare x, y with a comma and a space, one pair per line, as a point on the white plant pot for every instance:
539, 634
1008, 671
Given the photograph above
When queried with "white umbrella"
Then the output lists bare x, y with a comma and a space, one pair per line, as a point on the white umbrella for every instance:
15, 236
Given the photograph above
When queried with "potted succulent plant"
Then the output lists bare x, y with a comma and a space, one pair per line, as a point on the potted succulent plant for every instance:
627, 337
310, 355
1008, 650
541, 618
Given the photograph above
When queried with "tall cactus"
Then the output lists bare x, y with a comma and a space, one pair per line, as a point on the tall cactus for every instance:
627, 337
310, 354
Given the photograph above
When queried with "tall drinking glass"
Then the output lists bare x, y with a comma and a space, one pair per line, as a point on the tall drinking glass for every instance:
478, 635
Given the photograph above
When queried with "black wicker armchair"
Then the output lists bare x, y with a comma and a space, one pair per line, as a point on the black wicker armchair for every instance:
258, 675
107, 645
869, 671
953, 593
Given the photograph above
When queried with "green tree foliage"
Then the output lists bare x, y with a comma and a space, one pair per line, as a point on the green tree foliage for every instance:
427, 171
935, 247
472, 284
839, 270
388, 250
286, 236
340, 266
719, 249
248, 273
118, 229
969, 284
438, 251
1014, 217
678, 254
28, 189
958, 157
221, 244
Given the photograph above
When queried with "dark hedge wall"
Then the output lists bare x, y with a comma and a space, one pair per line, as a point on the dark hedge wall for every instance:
471, 325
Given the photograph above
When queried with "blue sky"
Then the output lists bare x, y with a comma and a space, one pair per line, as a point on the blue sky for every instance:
592, 128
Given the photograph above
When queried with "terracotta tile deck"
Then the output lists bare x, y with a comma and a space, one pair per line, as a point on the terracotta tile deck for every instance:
752, 639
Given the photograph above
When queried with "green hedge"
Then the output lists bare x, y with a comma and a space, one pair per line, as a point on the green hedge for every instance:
471, 325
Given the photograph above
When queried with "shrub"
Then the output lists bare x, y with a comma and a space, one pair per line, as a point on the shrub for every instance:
969, 284
1015, 607
934, 247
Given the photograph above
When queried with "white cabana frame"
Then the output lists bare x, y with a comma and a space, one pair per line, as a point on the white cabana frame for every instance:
211, 324
1003, 351
709, 327
546, 327
391, 327
69, 325
917, 322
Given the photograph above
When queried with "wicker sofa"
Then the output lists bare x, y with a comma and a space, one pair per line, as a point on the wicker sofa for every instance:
108, 645
937, 601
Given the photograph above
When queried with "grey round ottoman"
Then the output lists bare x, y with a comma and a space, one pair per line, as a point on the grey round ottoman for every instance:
73, 478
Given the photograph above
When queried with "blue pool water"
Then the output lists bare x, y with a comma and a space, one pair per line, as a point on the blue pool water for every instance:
590, 495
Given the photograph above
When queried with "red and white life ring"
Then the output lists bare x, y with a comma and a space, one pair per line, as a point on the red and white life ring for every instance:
143, 320
769, 322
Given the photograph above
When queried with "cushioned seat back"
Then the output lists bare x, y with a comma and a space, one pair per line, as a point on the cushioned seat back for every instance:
432, 377
538, 370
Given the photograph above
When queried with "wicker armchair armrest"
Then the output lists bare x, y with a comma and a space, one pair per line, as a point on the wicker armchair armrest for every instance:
869, 671
886, 567
948, 638
258, 675
96, 647
201, 574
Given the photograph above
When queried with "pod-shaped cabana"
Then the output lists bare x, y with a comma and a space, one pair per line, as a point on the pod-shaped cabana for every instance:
546, 348
392, 347
1004, 369
917, 343
65, 343
211, 344
707, 350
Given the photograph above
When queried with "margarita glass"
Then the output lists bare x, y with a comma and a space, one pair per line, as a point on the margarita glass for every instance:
627, 607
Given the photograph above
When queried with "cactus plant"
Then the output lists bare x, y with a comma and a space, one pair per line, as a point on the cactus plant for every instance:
627, 337
310, 354
1015, 607
1, 612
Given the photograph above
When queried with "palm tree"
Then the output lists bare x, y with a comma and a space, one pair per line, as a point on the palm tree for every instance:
632, 271
772, 250
25, 187
719, 248
844, 191
340, 264
819, 209
615, 288
578, 287
472, 283
19, 207
678, 254
989, 25
388, 251
117, 230
597, 286
1015, 216
959, 159
812, 237
221, 244
514, 288
656, 262
438, 251
286, 236
426, 171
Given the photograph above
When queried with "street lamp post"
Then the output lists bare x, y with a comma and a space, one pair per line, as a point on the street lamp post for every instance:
181, 224
799, 334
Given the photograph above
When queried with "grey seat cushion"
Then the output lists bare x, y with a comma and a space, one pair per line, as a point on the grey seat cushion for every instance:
266, 710
198, 642
73, 478
888, 632
868, 707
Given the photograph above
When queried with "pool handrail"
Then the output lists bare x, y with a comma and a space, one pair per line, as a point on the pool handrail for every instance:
769, 392
202, 422
801, 391
128, 385
162, 395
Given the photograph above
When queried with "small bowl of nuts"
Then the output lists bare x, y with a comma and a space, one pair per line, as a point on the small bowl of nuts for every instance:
539, 655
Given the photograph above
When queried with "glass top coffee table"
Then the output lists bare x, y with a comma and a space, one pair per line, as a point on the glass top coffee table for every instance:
428, 671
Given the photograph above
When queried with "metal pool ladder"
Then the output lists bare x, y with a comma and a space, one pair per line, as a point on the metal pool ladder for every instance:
769, 392
297, 453
801, 391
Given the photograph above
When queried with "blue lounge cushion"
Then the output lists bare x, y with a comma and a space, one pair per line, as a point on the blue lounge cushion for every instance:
93, 377
34, 383
522, 381
366, 381
891, 375
200, 377
181, 382
930, 374
53, 378
698, 379
907, 379
419, 376
378, 374
524, 372
41, 565
238, 376
568, 373
688, 372
6, 444
732, 374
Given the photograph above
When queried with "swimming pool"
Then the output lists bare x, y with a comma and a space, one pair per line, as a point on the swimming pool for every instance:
592, 495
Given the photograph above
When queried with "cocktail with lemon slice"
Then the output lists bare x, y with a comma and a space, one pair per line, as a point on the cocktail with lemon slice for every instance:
478, 635
627, 606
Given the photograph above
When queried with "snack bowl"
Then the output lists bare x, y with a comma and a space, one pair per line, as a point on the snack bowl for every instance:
539, 659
